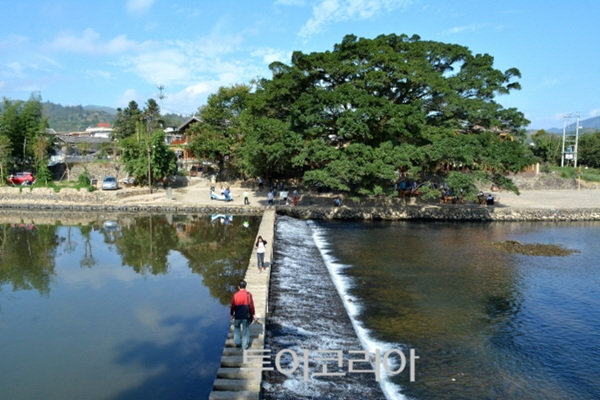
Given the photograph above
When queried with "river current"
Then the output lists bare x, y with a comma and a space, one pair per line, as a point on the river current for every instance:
483, 323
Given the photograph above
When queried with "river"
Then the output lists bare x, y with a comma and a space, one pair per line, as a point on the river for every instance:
483, 323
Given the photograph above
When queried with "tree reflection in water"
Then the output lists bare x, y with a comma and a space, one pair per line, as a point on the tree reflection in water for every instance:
219, 252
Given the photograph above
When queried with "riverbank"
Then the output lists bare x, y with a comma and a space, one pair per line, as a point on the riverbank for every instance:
531, 205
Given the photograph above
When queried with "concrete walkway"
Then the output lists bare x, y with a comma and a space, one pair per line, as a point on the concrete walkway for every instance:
236, 379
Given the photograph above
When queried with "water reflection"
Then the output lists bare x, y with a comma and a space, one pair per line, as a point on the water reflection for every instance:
27, 256
142, 242
118, 306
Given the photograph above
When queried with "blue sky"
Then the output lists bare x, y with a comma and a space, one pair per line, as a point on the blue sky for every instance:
110, 52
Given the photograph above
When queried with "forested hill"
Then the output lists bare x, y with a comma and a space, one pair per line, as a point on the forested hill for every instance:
78, 118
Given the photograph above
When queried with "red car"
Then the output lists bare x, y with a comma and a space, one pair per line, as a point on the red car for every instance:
22, 178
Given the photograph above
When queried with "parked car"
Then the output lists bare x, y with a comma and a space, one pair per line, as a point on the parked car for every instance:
109, 183
22, 178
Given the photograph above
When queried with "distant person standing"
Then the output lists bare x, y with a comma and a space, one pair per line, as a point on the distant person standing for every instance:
246, 199
242, 314
260, 183
270, 197
260, 253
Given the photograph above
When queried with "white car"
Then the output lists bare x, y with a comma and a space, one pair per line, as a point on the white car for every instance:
109, 183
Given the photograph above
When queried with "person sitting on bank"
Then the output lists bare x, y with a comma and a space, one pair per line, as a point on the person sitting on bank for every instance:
337, 202
490, 200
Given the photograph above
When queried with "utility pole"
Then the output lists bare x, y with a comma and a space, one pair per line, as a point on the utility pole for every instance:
562, 160
149, 171
576, 140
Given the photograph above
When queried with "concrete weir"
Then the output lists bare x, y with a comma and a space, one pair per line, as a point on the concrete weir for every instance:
235, 379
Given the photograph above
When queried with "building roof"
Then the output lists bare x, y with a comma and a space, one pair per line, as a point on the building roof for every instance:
81, 139
183, 127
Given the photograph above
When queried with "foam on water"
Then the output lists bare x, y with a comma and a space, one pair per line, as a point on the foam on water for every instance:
307, 315
343, 284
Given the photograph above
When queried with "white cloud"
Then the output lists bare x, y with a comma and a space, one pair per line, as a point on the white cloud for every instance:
16, 69
167, 66
89, 43
187, 100
98, 74
463, 28
269, 55
595, 112
549, 82
138, 6
127, 96
334, 11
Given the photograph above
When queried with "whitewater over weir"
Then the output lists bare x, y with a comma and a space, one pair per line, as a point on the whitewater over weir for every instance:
311, 312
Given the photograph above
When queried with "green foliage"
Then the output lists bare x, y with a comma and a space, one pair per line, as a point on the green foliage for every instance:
75, 118
586, 174
547, 147
462, 185
5, 155
126, 121
219, 135
370, 109
83, 180
545, 168
138, 155
590, 175
43, 176
268, 148
23, 122
589, 150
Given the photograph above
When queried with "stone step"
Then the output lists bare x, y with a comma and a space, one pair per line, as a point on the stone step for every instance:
256, 330
237, 385
232, 361
255, 343
229, 395
235, 373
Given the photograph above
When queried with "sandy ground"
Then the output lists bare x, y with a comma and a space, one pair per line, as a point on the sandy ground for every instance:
553, 199
198, 194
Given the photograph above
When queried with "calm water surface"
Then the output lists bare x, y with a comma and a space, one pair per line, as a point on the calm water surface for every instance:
486, 324
128, 308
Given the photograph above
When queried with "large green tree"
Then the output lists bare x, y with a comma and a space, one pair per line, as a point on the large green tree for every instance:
589, 150
126, 120
372, 109
5, 155
23, 124
148, 155
152, 117
547, 147
219, 134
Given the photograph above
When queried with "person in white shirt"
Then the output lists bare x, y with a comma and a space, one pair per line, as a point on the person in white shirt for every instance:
260, 253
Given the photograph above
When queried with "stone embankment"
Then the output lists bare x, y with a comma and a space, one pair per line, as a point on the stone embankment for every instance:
548, 205
441, 213
46, 199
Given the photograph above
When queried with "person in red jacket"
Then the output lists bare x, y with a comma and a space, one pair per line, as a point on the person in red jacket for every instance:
242, 313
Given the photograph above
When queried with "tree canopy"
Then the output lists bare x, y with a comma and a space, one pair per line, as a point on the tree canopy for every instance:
359, 117
22, 128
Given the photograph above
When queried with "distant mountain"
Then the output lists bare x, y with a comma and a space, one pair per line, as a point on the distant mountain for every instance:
108, 110
77, 118
589, 125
